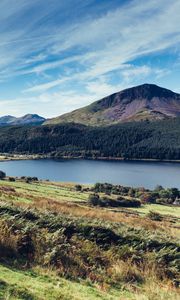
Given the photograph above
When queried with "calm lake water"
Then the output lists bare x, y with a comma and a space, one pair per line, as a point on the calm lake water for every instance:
134, 173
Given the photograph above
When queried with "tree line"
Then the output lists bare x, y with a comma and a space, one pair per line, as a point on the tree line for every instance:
150, 140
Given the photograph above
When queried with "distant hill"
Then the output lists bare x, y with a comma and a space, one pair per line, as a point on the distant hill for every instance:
143, 102
25, 120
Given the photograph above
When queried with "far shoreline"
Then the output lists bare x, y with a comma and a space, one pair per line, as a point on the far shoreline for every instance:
18, 157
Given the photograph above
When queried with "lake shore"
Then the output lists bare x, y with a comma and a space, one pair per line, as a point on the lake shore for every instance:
5, 157
12, 157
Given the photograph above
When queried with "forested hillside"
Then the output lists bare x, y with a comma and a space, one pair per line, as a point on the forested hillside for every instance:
152, 140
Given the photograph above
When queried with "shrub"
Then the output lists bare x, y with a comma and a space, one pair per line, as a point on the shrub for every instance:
12, 179
131, 192
175, 193
127, 272
28, 180
106, 201
97, 187
148, 198
119, 202
94, 199
32, 178
103, 188
158, 188
129, 203
165, 201
2, 175
155, 216
25, 247
177, 202
78, 187
85, 190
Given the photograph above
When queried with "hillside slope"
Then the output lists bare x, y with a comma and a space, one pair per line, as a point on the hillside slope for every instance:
147, 101
56, 245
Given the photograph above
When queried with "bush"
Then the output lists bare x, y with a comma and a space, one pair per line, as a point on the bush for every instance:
25, 247
148, 198
158, 188
85, 190
94, 199
103, 188
12, 179
34, 178
155, 216
29, 179
106, 202
119, 202
78, 188
2, 175
165, 201
177, 202
129, 203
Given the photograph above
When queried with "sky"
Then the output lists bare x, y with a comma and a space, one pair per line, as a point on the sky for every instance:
59, 55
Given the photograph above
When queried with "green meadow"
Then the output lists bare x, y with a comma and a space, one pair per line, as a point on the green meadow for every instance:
54, 244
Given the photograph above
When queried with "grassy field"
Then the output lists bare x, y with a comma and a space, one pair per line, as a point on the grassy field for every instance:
162, 209
54, 245
43, 284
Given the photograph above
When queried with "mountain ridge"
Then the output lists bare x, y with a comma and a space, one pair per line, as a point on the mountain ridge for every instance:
24, 120
146, 101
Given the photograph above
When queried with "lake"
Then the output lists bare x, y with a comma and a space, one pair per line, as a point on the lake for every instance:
128, 173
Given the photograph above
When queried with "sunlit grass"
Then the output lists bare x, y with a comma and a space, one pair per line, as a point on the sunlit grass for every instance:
162, 209
41, 283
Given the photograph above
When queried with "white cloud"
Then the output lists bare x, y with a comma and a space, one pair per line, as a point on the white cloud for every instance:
60, 102
133, 71
119, 36
91, 49
45, 86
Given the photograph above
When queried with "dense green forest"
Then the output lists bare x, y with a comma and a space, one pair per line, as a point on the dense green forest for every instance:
151, 140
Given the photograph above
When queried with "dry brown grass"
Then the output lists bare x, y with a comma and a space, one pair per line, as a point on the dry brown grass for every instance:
81, 209
78, 210
8, 240
143, 281
128, 268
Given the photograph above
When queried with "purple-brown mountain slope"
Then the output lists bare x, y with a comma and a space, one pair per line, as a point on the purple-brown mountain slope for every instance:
147, 101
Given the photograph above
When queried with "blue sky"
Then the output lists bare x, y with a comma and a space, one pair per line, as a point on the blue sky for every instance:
56, 56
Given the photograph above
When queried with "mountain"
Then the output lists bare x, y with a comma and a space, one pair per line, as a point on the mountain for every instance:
28, 119
5, 120
143, 102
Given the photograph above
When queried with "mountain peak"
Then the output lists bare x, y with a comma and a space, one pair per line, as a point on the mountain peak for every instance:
146, 101
147, 91
26, 119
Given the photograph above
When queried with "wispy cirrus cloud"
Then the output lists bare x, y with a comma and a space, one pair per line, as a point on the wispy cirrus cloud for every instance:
122, 35
50, 50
